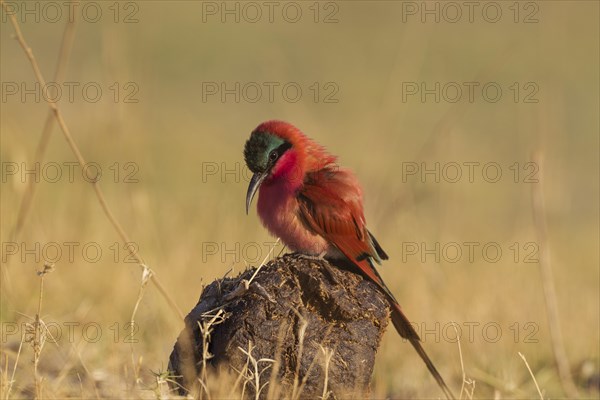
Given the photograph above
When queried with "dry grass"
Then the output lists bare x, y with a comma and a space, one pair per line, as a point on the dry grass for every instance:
173, 211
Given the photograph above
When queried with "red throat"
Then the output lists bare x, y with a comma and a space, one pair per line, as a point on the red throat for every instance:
288, 173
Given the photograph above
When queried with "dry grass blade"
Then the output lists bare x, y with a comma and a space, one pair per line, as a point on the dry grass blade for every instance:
94, 182
465, 380
37, 331
296, 390
328, 355
209, 321
299, 384
532, 376
206, 329
539, 217
264, 261
462, 364
10, 382
253, 375
146, 276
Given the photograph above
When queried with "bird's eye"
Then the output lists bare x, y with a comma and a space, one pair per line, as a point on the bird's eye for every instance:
273, 156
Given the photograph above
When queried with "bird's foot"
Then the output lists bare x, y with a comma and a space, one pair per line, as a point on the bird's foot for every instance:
240, 289
318, 257
261, 291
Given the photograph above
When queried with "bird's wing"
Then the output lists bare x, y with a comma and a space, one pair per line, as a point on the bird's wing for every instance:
330, 205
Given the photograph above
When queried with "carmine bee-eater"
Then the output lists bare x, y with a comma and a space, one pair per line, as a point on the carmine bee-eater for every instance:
316, 208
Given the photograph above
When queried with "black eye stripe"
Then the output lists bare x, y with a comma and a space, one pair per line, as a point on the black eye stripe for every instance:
283, 148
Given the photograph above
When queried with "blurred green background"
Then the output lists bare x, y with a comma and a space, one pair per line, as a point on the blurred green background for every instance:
183, 140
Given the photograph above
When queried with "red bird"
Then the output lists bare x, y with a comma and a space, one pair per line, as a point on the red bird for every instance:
316, 208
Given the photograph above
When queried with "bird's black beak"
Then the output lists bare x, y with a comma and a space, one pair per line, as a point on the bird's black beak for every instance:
255, 182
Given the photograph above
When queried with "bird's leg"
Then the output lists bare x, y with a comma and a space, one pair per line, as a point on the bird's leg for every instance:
330, 274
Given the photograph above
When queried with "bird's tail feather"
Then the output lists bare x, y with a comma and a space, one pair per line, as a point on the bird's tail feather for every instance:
406, 330
401, 323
